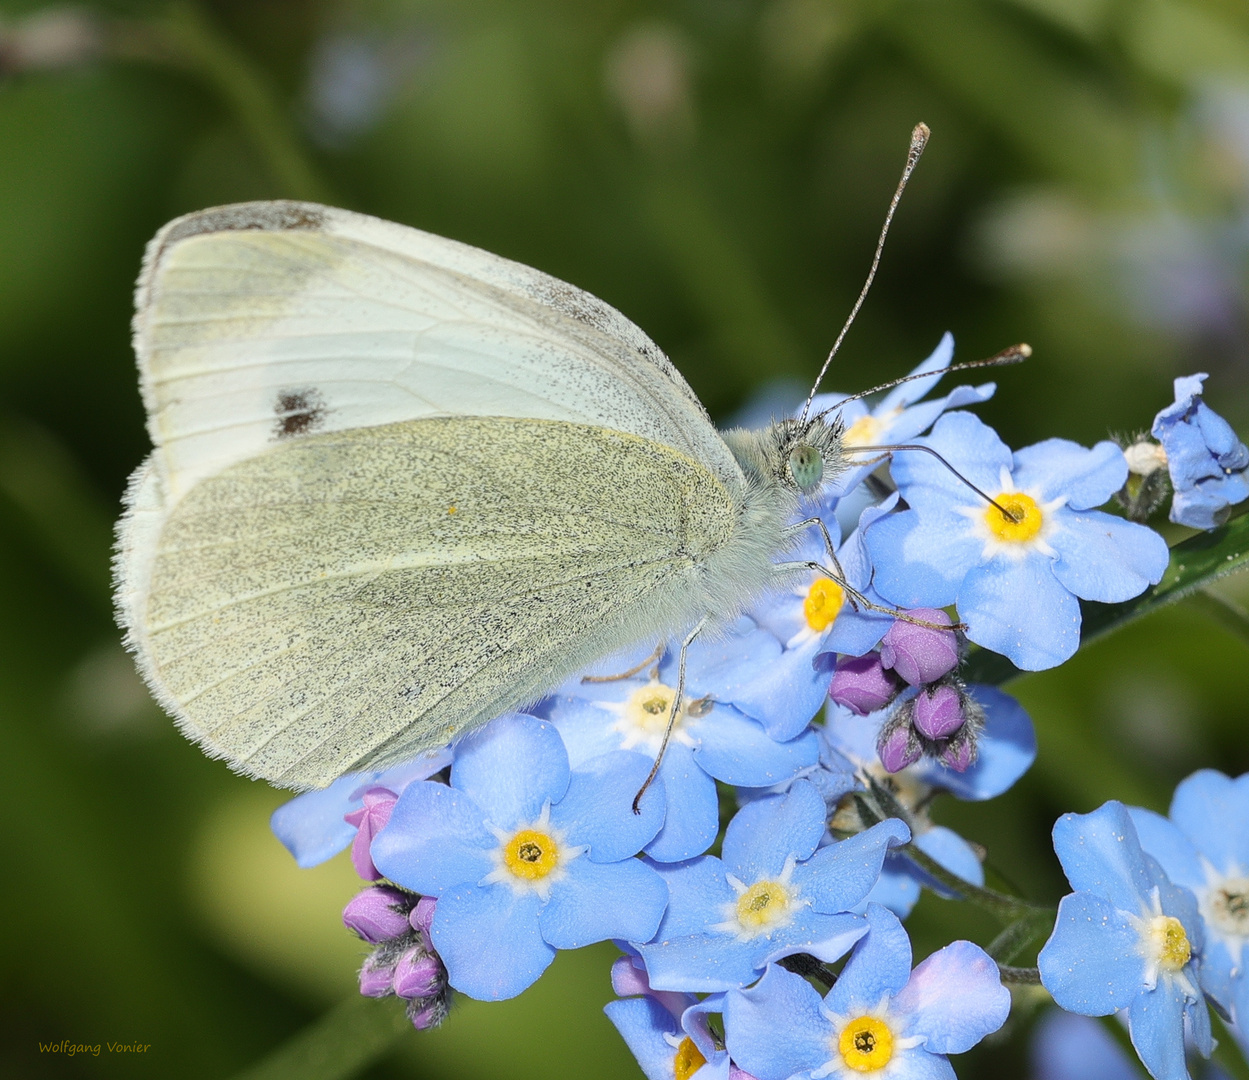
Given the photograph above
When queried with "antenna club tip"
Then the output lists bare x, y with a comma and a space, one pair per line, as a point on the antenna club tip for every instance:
1024, 350
920, 134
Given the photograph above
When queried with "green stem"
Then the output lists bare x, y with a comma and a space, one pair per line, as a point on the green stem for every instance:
1019, 976
343, 1043
1008, 909
183, 37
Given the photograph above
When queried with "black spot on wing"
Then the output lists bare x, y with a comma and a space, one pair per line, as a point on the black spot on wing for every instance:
298, 411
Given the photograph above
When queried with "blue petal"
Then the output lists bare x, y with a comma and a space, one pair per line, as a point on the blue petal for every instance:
776, 1029
720, 667
969, 445
1156, 1024
908, 393
697, 892
489, 940
839, 876
1067, 1046
642, 1023
597, 902
1006, 749
1212, 810
692, 817
954, 998
1022, 611
311, 826
1100, 853
584, 725
951, 851
1107, 559
878, 968
1161, 839
1088, 477
922, 559
788, 693
598, 808
434, 841
1092, 963
736, 749
511, 767
764, 833
896, 889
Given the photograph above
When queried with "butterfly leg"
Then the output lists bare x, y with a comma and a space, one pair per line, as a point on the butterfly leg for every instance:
858, 599
818, 523
654, 658
672, 714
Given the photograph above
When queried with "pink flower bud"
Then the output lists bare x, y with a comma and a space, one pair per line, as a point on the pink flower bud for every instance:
376, 979
898, 748
938, 712
369, 820
862, 685
959, 755
377, 914
417, 975
920, 655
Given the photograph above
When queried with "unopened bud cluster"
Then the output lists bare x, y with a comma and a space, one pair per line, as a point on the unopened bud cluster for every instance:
914, 667
404, 962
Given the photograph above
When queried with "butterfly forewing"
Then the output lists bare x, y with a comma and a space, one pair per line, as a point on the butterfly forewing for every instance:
267, 321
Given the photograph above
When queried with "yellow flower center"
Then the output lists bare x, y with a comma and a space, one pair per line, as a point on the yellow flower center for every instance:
1025, 519
866, 1044
764, 903
865, 431
1169, 943
823, 602
688, 1060
648, 707
531, 854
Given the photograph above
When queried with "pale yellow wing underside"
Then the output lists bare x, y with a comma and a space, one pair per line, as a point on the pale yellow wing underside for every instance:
350, 599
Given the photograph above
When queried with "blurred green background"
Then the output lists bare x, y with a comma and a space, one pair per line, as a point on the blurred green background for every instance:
718, 170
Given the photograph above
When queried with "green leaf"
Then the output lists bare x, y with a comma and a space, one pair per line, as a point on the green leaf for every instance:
1195, 563
343, 1043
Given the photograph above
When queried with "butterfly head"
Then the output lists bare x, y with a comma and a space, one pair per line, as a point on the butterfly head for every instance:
799, 456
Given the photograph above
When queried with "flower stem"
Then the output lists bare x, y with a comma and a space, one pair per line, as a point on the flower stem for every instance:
183, 37
1019, 976
1009, 909
342, 1043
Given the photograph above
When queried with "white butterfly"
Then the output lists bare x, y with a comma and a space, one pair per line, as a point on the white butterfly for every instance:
401, 486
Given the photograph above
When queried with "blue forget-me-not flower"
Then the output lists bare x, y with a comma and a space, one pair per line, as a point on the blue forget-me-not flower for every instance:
525, 855
1015, 580
1206, 460
1127, 938
880, 1018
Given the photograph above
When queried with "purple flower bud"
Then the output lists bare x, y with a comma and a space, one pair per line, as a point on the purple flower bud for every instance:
898, 747
426, 1015
417, 975
920, 655
377, 914
938, 712
421, 918
862, 685
377, 978
959, 755
369, 820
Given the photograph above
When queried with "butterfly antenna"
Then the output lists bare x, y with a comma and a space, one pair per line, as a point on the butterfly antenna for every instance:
919, 139
1016, 354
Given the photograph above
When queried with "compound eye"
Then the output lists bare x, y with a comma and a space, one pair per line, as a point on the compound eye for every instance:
806, 467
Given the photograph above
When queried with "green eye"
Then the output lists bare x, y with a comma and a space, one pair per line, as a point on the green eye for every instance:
806, 467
